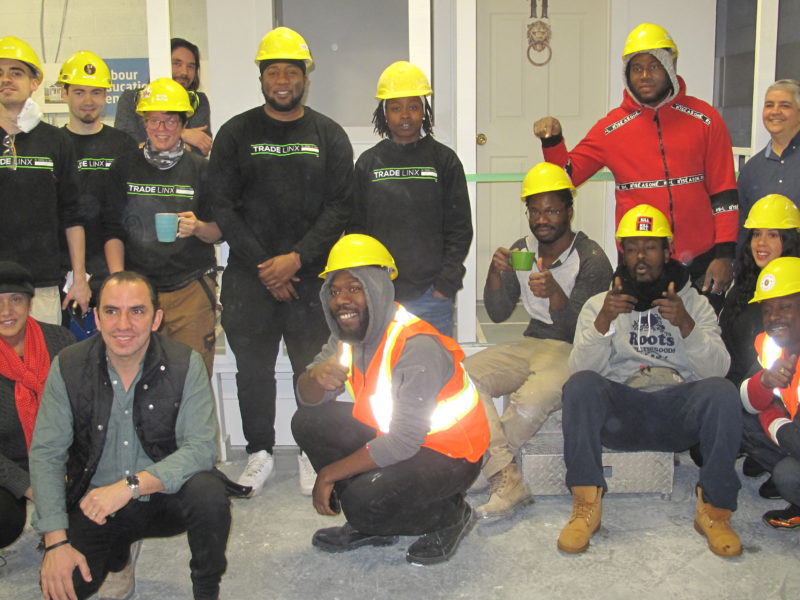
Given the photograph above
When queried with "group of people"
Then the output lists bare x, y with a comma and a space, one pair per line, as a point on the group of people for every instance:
356, 268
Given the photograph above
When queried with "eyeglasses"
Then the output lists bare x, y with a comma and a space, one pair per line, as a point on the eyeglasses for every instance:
169, 124
9, 149
549, 213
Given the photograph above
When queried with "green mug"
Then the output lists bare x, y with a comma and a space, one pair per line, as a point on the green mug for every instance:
522, 260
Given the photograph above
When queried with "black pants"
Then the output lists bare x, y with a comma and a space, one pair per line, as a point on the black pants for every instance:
12, 517
598, 412
200, 508
254, 323
784, 466
416, 496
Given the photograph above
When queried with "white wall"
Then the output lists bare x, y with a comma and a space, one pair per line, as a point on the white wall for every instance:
690, 22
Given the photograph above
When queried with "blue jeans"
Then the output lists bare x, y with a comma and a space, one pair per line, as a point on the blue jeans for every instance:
436, 311
599, 412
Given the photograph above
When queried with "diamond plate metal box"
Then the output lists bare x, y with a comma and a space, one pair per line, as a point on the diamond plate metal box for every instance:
542, 462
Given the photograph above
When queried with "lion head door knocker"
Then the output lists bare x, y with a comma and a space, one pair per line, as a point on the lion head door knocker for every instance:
539, 35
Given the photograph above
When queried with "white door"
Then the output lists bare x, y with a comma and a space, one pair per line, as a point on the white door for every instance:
513, 93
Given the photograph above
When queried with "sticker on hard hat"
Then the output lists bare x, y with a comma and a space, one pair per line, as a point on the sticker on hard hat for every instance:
644, 223
767, 282
162, 98
89, 69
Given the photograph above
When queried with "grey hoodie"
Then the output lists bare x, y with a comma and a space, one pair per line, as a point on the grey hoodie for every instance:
423, 368
638, 339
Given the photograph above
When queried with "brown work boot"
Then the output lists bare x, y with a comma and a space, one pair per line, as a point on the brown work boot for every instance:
587, 508
508, 493
714, 523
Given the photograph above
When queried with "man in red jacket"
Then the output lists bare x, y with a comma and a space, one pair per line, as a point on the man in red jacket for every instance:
666, 149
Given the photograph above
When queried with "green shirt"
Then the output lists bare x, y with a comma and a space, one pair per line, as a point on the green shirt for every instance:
123, 455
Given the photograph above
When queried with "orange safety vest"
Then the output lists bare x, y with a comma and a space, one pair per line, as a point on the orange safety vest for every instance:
458, 426
768, 353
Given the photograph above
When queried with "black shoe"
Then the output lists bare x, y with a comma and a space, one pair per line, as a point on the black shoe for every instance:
788, 518
439, 546
769, 491
750, 468
344, 538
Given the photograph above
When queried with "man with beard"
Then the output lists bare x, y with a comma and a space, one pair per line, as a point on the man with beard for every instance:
281, 177
772, 428
648, 366
400, 459
570, 268
667, 149
86, 80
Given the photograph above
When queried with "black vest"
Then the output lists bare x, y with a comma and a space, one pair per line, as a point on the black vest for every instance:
157, 398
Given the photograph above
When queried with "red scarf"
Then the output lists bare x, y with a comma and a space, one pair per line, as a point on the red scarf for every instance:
29, 374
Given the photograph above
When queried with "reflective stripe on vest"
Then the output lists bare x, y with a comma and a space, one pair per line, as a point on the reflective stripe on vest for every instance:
768, 353
447, 412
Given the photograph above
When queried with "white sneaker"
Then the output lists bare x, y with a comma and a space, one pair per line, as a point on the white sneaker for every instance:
258, 469
308, 476
121, 585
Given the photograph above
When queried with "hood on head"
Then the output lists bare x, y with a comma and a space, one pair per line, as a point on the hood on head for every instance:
664, 56
379, 292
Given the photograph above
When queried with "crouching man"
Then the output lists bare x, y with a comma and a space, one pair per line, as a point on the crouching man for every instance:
772, 429
123, 449
648, 365
400, 459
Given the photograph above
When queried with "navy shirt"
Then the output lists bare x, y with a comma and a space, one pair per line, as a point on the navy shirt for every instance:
767, 173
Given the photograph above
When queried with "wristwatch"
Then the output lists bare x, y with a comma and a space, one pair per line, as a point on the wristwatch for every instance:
132, 481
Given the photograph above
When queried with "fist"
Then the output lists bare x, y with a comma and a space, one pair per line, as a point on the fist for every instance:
546, 127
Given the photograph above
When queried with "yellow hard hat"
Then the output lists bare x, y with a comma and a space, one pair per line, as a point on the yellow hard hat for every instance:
781, 277
15, 49
773, 212
545, 177
401, 79
358, 250
644, 221
648, 36
285, 43
164, 94
85, 68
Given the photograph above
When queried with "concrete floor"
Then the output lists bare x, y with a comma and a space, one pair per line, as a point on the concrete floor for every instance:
646, 548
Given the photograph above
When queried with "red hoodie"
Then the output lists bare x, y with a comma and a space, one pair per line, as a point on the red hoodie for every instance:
675, 158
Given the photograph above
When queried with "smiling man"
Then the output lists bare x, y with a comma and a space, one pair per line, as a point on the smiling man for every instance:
667, 149
400, 459
772, 427
648, 366
86, 80
123, 449
569, 269
39, 185
281, 177
776, 169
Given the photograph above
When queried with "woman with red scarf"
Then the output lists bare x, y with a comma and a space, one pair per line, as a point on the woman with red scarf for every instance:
26, 348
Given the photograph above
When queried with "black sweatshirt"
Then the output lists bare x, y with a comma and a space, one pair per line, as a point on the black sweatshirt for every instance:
278, 187
95, 153
38, 200
139, 191
413, 198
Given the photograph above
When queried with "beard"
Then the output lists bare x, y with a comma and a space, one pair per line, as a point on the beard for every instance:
290, 106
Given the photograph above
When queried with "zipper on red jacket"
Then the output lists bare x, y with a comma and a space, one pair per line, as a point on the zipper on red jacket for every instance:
666, 170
